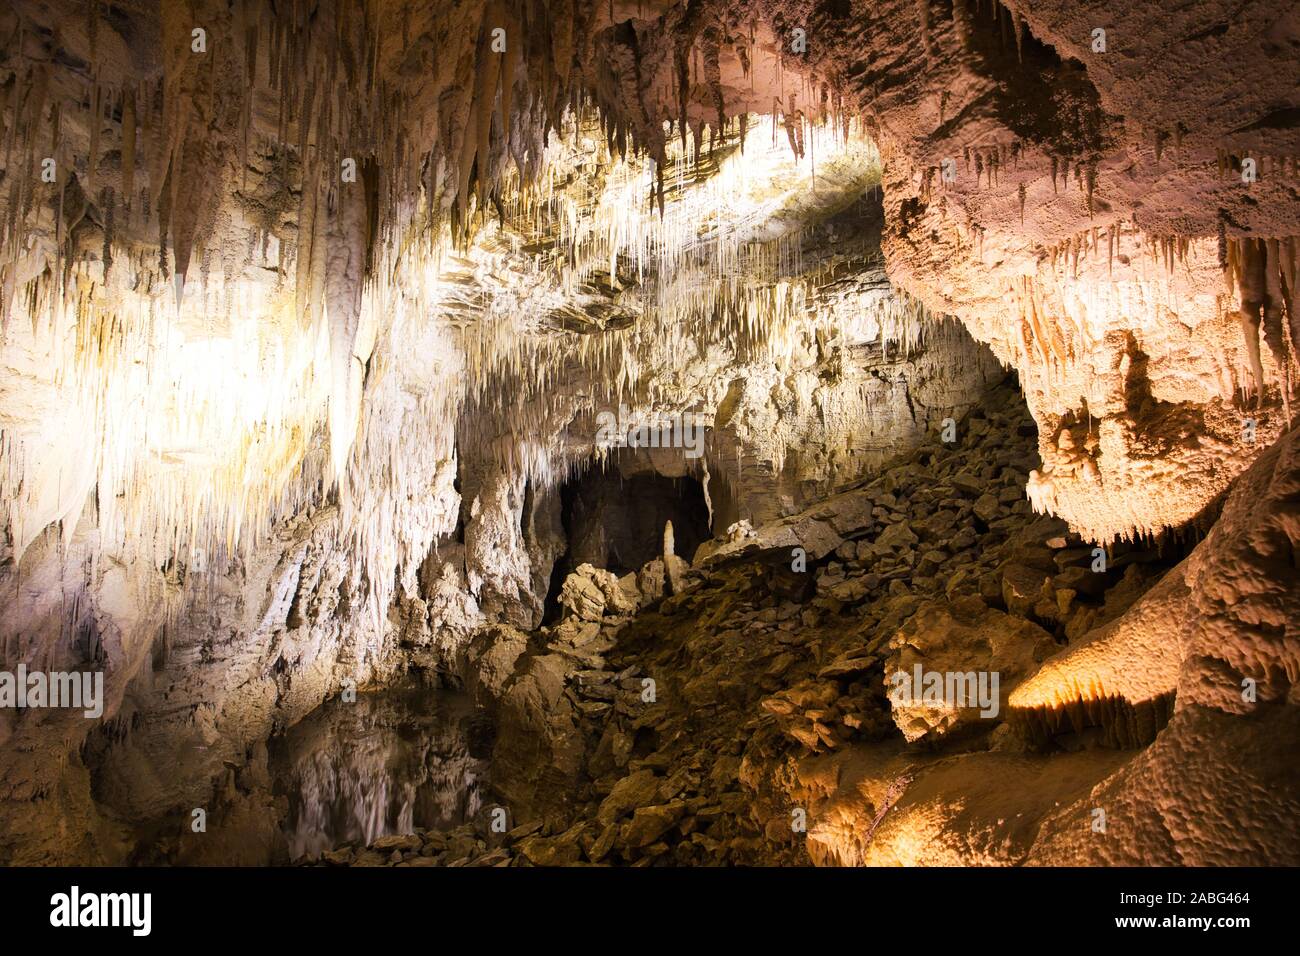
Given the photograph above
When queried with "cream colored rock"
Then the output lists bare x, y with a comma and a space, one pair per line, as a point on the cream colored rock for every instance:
954, 664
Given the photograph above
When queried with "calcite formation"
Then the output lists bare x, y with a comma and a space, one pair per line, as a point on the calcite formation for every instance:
311, 312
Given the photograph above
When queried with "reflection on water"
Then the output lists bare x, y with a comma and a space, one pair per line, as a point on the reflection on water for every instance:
388, 763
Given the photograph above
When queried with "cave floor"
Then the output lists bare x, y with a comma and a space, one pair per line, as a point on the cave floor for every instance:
743, 718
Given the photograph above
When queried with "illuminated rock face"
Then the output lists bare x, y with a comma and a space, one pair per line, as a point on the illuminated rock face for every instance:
1229, 633
306, 320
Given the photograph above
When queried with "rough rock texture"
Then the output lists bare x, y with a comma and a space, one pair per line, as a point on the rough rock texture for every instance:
307, 311
768, 736
1240, 604
965, 636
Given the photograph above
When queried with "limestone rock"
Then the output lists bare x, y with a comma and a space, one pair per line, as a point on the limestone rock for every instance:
492, 657
1022, 587
675, 571
637, 789
546, 851
648, 824
580, 595
967, 638
651, 581
896, 537
589, 592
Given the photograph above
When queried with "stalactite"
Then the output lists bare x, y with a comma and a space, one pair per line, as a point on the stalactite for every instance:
128, 150
329, 71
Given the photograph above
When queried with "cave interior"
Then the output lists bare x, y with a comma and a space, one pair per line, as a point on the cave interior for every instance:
551, 432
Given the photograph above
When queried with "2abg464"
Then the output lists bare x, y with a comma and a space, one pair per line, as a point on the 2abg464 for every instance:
1219, 898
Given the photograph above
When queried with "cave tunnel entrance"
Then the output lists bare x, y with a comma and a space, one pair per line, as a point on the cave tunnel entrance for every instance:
614, 515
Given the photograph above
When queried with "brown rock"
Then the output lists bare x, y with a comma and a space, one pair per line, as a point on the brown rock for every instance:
635, 790
550, 851
1022, 587
648, 824
970, 641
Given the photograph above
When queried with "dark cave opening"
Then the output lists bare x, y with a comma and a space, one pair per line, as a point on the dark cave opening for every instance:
614, 517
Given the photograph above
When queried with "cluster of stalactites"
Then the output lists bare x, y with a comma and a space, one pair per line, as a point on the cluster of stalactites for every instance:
224, 245
1259, 275
663, 285
1263, 273
306, 98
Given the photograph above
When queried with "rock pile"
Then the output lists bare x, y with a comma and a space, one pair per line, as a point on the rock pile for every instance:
701, 717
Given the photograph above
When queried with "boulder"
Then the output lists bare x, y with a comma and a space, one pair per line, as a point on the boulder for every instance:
630, 591
493, 655
979, 654
648, 824
819, 531
1022, 586
1083, 580
581, 596
637, 789
895, 537
551, 851
650, 581
589, 592
987, 508
967, 483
